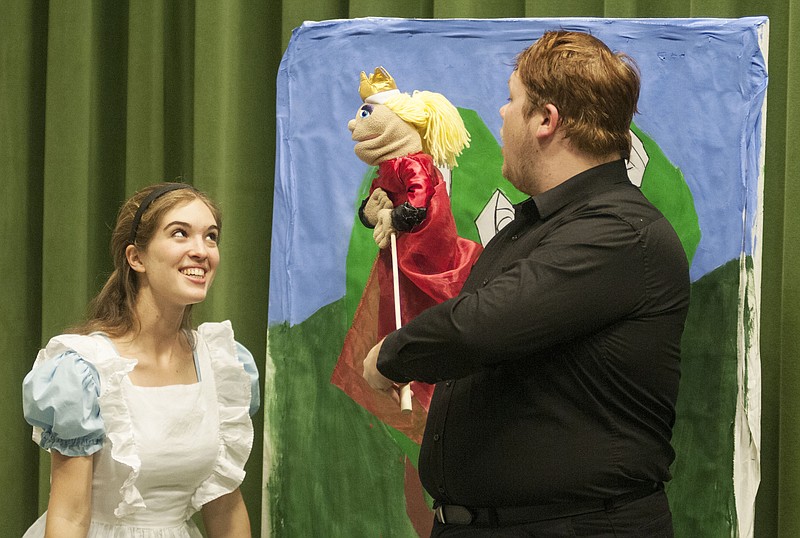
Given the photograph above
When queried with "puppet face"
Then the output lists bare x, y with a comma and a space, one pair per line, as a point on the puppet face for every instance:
381, 135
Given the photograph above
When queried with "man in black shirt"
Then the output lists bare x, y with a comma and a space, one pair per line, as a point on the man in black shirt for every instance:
557, 366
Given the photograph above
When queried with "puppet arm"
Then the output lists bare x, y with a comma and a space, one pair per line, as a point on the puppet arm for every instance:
383, 228
405, 217
368, 212
420, 182
402, 218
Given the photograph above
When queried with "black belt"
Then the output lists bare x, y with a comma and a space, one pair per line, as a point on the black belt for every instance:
514, 515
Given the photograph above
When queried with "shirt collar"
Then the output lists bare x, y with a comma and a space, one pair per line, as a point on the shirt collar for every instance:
575, 188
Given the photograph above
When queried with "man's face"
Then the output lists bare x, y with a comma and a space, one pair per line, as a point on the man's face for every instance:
519, 143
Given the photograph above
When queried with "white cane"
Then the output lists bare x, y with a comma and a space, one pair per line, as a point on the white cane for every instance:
405, 390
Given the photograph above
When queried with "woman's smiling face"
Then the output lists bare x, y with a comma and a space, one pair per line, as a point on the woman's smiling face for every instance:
179, 263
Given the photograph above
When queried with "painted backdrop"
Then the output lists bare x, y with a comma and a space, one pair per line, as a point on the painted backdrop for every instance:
340, 464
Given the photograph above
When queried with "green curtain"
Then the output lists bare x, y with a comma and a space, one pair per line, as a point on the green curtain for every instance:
99, 98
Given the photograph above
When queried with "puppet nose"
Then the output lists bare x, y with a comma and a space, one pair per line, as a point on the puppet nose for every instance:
351, 125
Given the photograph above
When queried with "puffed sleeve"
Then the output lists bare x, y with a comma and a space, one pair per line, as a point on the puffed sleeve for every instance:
249, 364
420, 185
60, 398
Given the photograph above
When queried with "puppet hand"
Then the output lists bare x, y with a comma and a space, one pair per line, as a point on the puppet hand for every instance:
373, 377
383, 228
377, 200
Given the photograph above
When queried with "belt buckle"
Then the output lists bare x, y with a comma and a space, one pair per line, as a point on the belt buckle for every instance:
456, 515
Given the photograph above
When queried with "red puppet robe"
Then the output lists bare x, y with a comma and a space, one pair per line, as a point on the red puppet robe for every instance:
433, 264
433, 260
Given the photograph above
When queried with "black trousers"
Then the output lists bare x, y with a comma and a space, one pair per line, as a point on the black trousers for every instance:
648, 517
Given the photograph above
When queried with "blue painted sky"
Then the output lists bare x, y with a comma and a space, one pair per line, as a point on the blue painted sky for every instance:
703, 83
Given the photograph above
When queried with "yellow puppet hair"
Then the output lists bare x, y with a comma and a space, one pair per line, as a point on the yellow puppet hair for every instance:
443, 133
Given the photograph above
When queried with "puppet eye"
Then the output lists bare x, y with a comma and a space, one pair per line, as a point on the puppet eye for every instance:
364, 111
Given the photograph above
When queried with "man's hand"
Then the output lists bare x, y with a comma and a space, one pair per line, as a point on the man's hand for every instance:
374, 378
383, 228
377, 200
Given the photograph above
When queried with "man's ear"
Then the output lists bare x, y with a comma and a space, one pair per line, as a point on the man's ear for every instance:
134, 260
548, 123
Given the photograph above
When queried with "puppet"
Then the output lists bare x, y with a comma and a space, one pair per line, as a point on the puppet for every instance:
407, 137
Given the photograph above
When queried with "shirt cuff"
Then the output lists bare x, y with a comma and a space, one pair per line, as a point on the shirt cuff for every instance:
388, 361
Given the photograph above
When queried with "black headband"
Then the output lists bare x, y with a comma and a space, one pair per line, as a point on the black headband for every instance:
155, 193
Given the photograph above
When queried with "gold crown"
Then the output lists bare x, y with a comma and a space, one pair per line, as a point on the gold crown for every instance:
378, 82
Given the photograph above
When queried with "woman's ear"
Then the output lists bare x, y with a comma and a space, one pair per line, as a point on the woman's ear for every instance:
134, 259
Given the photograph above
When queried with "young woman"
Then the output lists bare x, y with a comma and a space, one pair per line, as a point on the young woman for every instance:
147, 421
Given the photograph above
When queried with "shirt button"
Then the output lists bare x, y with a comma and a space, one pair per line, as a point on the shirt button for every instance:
441, 489
448, 383
485, 281
436, 437
514, 237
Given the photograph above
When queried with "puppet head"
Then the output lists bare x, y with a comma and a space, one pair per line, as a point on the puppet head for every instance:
391, 124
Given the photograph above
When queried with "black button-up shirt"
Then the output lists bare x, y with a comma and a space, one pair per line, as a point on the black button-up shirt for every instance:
557, 366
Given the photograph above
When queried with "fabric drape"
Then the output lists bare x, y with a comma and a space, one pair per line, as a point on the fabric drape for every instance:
98, 99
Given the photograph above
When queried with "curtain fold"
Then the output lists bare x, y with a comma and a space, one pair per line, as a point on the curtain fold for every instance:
784, 468
98, 99
23, 57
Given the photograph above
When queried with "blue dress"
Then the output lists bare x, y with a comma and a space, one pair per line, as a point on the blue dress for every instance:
160, 453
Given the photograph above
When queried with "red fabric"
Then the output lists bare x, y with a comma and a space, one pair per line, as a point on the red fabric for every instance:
417, 508
433, 263
433, 260
348, 373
